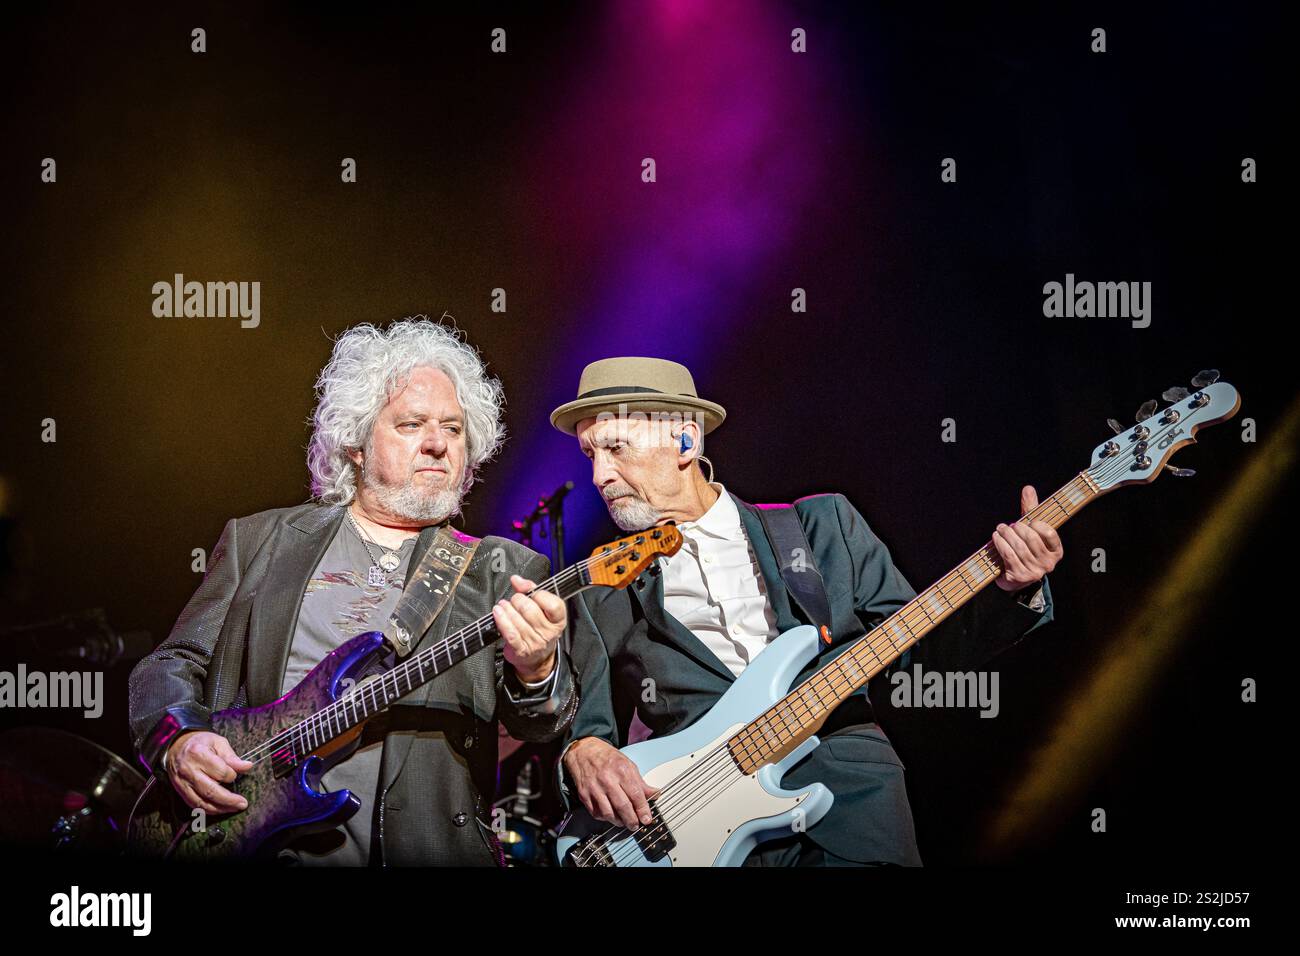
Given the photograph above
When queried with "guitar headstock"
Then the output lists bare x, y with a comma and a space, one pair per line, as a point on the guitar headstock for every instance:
1136, 455
619, 563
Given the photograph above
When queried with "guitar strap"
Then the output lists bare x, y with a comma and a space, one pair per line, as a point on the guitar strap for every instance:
430, 588
794, 556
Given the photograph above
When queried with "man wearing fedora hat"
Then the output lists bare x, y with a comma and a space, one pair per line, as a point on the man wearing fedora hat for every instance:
669, 647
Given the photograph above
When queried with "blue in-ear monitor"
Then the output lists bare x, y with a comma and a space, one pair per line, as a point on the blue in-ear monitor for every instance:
687, 443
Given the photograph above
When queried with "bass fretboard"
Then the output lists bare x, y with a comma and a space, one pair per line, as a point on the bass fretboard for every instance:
797, 716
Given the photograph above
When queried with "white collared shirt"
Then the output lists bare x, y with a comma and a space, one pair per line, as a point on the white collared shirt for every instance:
714, 586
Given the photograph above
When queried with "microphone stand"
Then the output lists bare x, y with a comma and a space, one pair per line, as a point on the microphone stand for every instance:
548, 518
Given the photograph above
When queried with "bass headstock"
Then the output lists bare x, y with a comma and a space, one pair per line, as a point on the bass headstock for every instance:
619, 563
1136, 455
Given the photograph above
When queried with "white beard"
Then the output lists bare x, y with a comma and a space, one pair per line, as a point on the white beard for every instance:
633, 514
406, 502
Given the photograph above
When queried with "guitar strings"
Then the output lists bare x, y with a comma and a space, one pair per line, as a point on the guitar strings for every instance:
304, 730
709, 773
714, 774
318, 728
1105, 470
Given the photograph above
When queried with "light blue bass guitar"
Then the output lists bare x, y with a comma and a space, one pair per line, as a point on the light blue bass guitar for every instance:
719, 780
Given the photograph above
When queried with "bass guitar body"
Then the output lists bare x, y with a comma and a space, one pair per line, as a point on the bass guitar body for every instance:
283, 787
709, 812
718, 781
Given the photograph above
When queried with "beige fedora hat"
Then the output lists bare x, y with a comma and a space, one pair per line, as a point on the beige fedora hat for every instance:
636, 385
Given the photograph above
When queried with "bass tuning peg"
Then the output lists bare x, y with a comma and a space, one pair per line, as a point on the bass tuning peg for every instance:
1115, 426
1147, 410
1206, 376
1175, 394
1180, 472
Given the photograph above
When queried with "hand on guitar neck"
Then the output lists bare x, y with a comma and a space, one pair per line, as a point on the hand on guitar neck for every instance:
1029, 549
531, 623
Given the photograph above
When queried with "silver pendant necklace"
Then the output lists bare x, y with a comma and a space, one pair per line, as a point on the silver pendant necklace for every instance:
384, 565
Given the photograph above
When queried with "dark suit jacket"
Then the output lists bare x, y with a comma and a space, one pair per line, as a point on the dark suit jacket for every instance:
622, 637
230, 647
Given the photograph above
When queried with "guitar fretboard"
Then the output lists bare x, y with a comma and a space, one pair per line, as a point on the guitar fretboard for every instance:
797, 715
371, 696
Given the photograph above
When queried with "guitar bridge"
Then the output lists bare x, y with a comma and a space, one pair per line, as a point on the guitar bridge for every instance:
589, 852
654, 839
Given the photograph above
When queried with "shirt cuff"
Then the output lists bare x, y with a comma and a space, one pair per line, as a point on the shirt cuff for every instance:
534, 688
566, 750
562, 772
1035, 601
531, 693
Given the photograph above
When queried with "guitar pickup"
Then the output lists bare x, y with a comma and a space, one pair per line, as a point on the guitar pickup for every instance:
654, 838
283, 762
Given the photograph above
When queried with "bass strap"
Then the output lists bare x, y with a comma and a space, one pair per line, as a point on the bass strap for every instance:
794, 557
430, 588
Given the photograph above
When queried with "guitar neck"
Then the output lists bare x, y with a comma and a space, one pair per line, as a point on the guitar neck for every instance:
800, 713
374, 695
432, 661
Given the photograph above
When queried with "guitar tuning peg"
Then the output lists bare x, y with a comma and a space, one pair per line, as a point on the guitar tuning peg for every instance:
1180, 472
1206, 376
1146, 411
1175, 394
1115, 426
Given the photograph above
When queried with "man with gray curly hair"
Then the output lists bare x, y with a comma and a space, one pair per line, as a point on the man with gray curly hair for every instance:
405, 418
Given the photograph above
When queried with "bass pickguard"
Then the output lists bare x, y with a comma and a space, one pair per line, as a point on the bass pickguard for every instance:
715, 812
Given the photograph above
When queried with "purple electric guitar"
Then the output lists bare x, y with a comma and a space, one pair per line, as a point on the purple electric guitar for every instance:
293, 741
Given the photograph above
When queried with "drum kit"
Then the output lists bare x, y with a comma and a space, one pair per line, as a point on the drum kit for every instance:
527, 810
63, 792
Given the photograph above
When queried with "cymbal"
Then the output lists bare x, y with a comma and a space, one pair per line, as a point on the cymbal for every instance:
59, 789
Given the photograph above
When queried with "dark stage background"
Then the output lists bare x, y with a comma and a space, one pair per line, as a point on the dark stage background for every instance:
775, 170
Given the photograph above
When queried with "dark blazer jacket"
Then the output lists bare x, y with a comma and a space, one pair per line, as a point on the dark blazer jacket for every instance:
622, 637
230, 647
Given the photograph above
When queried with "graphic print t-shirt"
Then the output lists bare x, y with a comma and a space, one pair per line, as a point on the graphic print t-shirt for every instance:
339, 604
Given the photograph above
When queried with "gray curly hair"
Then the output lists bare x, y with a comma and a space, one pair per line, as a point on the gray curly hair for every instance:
367, 366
